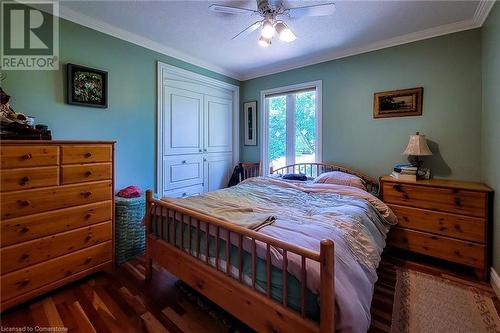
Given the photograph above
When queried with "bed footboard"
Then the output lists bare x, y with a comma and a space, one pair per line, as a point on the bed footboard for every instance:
204, 269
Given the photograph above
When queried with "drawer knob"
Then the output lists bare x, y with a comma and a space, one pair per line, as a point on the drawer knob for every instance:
25, 256
88, 216
87, 155
25, 230
89, 237
23, 181
458, 201
199, 150
88, 260
86, 194
88, 173
184, 194
184, 162
24, 203
398, 188
204, 150
23, 282
26, 156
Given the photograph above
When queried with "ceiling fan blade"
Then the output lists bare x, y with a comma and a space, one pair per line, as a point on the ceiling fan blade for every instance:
248, 30
312, 10
232, 10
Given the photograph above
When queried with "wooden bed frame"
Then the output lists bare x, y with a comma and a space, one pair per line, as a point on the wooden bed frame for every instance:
254, 307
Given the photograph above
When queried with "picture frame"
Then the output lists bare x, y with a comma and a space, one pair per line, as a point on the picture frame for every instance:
87, 86
398, 103
250, 117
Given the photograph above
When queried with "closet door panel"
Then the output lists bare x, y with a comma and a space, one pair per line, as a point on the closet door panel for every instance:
217, 171
183, 121
218, 124
182, 170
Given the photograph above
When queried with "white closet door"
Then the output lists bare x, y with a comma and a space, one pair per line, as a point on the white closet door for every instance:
217, 171
183, 121
218, 125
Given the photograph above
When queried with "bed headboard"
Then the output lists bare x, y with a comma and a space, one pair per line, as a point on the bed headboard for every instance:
315, 169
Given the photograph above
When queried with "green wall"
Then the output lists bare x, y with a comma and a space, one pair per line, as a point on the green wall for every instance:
449, 69
130, 118
491, 118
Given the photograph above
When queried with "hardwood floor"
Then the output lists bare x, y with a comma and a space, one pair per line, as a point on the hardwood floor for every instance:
121, 302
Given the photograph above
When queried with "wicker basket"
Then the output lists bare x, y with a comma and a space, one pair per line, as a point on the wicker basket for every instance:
129, 231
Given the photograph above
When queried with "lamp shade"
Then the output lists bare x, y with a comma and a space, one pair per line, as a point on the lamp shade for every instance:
417, 146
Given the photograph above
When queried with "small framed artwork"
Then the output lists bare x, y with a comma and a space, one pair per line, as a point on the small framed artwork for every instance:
87, 86
250, 116
398, 103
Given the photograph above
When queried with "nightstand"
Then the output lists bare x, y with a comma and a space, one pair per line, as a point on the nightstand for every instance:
444, 219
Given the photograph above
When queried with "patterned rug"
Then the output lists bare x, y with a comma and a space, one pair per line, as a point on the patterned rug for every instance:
426, 303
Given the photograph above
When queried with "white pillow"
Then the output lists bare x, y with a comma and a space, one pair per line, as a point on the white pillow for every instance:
340, 178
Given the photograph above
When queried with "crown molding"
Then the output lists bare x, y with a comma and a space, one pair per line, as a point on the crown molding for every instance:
106, 28
399, 40
482, 11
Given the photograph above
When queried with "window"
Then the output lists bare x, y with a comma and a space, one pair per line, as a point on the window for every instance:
292, 125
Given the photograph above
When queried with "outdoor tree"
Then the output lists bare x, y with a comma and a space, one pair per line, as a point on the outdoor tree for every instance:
305, 125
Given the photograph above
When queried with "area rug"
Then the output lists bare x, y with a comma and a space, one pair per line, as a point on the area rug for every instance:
425, 303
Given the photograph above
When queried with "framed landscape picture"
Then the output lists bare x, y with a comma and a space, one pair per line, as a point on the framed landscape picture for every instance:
250, 116
87, 86
398, 103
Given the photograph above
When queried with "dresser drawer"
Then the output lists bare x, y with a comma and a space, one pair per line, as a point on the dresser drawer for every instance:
22, 229
442, 199
86, 154
184, 192
28, 156
36, 276
452, 225
21, 203
85, 172
461, 252
26, 178
29, 253
182, 170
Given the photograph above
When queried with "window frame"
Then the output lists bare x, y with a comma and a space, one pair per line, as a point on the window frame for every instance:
264, 121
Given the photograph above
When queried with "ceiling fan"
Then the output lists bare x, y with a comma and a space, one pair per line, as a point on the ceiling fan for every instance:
272, 14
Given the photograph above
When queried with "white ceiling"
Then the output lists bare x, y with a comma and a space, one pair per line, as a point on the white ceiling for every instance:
188, 30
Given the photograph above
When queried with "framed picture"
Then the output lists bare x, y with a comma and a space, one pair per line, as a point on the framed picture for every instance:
250, 116
87, 86
398, 103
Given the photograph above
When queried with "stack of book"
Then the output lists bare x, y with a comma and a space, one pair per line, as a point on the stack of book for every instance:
404, 172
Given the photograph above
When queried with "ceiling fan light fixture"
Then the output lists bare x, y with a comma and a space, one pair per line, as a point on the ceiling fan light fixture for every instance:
284, 33
264, 42
267, 30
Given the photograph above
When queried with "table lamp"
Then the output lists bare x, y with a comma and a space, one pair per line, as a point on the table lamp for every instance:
417, 147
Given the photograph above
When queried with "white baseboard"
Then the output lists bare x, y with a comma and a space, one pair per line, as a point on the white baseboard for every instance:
495, 281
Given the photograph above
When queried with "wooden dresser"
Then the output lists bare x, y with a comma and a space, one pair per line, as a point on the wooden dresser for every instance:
57, 220
444, 219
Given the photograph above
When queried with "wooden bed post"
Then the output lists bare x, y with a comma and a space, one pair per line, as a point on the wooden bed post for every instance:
327, 287
147, 222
